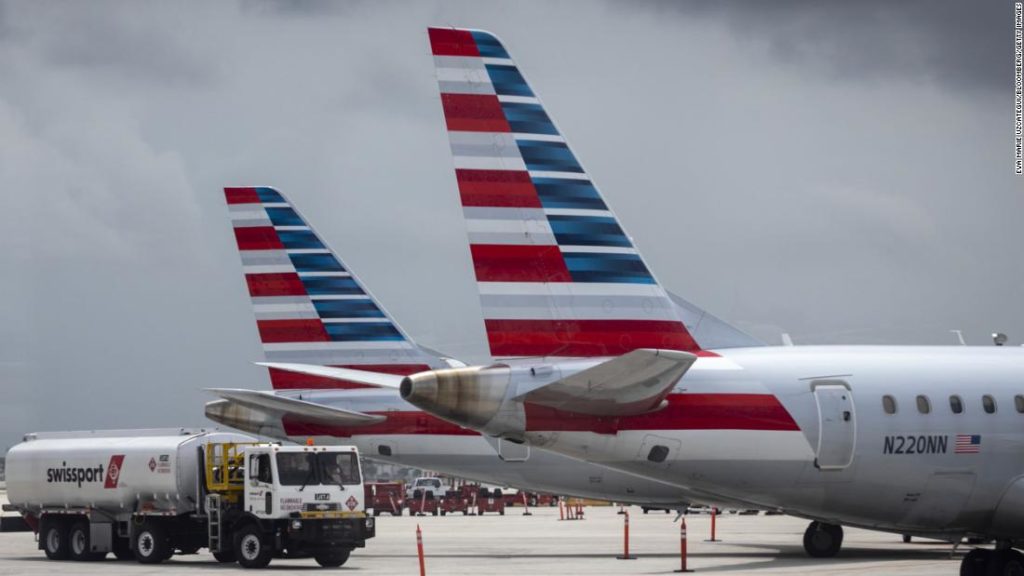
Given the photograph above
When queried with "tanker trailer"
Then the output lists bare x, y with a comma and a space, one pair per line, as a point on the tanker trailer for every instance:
150, 493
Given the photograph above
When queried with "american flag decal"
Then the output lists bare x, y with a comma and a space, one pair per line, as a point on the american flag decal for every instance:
967, 444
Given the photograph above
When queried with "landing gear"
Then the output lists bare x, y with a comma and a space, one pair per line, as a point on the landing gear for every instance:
823, 540
981, 562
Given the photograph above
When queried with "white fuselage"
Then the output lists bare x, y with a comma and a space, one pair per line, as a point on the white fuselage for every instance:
833, 453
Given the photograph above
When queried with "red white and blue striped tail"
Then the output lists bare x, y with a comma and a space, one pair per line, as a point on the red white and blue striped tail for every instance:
310, 308
557, 274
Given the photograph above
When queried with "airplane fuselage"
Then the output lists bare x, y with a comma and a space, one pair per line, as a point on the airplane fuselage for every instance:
806, 430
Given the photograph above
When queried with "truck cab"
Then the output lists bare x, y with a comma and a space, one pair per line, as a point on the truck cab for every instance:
298, 501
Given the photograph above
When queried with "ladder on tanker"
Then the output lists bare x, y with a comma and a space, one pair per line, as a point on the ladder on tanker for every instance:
213, 522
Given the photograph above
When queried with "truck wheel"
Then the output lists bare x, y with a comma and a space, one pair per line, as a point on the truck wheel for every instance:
252, 548
55, 539
225, 556
78, 543
332, 558
151, 545
501, 512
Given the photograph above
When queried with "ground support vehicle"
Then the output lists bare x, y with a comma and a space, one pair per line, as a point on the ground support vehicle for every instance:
454, 501
148, 494
490, 501
385, 497
422, 503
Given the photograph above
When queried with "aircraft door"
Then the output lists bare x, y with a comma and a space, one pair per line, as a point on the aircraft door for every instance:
837, 424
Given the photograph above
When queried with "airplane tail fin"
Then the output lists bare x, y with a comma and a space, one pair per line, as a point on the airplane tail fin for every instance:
557, 274
310, 308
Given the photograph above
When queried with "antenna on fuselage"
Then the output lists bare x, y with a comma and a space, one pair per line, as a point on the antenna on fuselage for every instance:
960, 337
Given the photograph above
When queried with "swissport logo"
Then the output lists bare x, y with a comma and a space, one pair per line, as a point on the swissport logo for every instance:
113, 471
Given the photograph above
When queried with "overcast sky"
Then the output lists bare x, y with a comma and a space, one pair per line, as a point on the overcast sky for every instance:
841, 171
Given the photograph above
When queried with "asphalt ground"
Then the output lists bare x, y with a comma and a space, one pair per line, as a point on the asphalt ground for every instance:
542, 544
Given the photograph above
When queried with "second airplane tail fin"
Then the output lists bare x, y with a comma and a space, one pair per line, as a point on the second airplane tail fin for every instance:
310, 308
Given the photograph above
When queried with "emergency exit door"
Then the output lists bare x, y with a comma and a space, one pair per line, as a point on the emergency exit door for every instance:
837, 424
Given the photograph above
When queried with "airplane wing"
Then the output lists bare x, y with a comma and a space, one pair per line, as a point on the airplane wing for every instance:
298, 409
634, 383
378, 379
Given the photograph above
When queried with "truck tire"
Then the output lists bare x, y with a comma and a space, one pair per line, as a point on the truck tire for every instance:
54, 536
332, 558
252, 547
152, 544
225, 556
78, 543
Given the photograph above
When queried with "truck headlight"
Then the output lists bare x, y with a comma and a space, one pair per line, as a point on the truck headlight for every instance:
296, 524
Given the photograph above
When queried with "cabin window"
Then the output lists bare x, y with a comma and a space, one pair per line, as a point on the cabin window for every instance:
384, 450
988, 403
923, 405
956, 404
1018, 401
658, 454
889, 404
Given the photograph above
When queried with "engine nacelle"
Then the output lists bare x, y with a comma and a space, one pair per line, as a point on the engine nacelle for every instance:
475, 397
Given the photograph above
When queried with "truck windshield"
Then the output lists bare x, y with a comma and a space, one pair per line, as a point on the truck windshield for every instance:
296, 468
305, 468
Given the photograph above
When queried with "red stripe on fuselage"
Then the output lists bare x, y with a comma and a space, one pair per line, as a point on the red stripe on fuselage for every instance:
474, 113
585, 338
497, 189
512, 263
284, 380
298, 330
258, 238
275, 284
405, 422
684, 412
757, 412
241, 196
448, 42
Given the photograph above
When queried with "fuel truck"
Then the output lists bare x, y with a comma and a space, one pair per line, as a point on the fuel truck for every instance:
148, 494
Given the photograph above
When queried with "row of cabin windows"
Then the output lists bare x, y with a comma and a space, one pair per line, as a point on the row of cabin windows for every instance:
956, 404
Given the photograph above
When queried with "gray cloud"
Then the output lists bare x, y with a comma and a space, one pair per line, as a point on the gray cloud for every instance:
939, 41
761, 181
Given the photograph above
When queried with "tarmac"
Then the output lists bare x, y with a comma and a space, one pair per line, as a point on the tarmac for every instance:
542, 544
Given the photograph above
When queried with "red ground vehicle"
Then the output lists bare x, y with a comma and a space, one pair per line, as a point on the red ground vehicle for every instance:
384, 497
454, 501
488, 501
422, 503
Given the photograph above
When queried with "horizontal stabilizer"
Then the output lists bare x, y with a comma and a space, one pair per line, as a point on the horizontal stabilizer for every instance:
631, 384
378, 379
296, 409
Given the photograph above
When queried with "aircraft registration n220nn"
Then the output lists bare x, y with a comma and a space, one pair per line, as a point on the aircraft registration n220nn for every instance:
597, 364
313, 313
